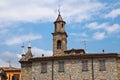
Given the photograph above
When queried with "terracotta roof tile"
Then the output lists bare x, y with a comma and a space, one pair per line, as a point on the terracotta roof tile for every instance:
10, 69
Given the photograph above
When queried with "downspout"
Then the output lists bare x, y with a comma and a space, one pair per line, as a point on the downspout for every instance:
52, 69
92, 70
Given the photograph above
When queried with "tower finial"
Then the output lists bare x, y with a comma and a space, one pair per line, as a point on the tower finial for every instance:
59, 9
23, 51
29, 44
29, 53
59, 18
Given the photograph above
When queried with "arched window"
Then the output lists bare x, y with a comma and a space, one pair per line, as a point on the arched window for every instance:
62, 25
59, 44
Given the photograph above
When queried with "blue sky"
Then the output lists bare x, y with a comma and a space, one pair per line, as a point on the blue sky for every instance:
95, 23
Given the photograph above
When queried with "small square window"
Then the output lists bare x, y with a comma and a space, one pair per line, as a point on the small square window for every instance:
84, 65
43, 67
61, 66
102, 65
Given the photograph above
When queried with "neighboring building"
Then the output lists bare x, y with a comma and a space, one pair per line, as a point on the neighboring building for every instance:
11, 73
72, 64
2, 74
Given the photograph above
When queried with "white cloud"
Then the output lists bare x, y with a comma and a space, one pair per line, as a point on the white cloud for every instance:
113, 28
19, 56
74, 34
22, 38
95, 25
26, 11
78, 37
7, 56
106, 28
26, 14
113, 14
36, 10
81, 10
99, 35
37, 52
82, 34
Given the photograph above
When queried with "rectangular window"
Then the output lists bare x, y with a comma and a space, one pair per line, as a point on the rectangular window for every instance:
85, 65
102, 65
43, 67
15, 77
61, 66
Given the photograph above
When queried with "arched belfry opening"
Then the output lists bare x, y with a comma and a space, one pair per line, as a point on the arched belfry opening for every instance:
62, 25
59, 44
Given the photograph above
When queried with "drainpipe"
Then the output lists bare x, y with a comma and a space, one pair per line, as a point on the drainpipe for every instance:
92, 69
52, 69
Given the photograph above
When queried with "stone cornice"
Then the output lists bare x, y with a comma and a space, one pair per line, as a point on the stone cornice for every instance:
76, 56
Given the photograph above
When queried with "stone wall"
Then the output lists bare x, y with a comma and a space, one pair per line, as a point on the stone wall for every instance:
36, 71
118, 68
73, 70
111, 69
26, 71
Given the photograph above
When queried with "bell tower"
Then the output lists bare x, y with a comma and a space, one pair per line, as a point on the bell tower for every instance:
59, 37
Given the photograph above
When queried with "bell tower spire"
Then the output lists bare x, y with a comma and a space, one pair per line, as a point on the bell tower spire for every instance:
59, 36
29, 53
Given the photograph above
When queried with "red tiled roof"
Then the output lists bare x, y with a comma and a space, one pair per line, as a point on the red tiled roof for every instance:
7, 69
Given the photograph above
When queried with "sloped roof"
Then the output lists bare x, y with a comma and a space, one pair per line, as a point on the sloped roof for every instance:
9, 69
59, 18
75, 56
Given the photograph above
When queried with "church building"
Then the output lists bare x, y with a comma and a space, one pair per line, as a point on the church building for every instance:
74, 64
